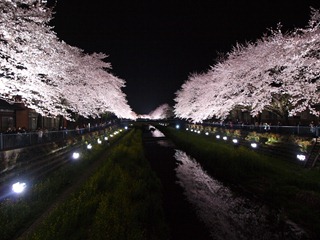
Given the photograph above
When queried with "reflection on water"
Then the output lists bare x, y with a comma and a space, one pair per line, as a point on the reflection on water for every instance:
158, 134
228, 216
155, 132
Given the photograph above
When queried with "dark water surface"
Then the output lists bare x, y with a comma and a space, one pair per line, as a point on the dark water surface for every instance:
180, 215
200, 207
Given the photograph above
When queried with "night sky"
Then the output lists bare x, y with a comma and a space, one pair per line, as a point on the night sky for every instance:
155, 45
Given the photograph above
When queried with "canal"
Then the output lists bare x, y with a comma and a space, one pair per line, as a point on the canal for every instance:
199, 207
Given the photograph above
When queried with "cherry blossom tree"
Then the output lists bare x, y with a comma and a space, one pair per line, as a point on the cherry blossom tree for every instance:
164, 111
277, 73
47, 74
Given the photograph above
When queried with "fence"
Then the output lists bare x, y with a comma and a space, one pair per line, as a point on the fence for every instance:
305, 131
25, 139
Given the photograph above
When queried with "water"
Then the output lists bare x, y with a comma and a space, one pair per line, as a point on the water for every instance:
225, 214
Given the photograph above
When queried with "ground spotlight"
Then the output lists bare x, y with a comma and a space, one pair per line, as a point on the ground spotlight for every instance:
301, 157
89, 146
217, 136
225, 138
111, 135
75, 155
187, 129
177, 126
125, 127
235, 141
207, 133
18, 187
106, 138
199, 132
191, 130
254, 145
99, 141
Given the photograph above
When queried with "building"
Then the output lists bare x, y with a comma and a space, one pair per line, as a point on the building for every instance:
16, 116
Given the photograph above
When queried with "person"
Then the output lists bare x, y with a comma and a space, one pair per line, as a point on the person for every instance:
312, 129
40, 135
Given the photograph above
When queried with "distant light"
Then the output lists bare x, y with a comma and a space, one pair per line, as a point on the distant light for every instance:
106, 138
19, 187
254, 145
235, 141
75, 155
207, 133
177, 126
217, 136
301, 157
99, 141
224, 138
125, 127
89, 146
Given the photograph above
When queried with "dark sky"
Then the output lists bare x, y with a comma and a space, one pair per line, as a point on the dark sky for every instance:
154, 45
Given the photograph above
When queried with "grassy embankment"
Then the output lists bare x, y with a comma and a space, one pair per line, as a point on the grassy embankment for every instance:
122, 200
17, 213
281, 184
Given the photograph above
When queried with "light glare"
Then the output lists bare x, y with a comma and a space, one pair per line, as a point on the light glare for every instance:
301, 157
254, 145
75, 155
18, 187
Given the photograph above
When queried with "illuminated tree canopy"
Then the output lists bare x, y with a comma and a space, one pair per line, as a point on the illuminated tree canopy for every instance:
164, 111
279, 73
47, 74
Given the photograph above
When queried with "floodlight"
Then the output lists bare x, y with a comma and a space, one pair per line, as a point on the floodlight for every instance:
75, 155
301, 157
254, 145
19, 187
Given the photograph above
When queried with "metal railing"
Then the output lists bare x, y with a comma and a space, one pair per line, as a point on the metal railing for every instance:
305, 131
25, 139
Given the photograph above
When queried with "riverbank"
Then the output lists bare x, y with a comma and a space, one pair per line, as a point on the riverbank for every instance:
282, 185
